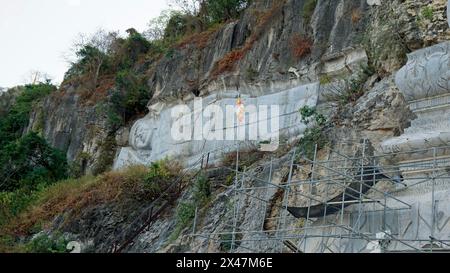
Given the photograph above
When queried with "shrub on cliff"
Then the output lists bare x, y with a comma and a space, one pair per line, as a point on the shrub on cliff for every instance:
202, 190
104, 54
308, 10
125, 53
30, 161
127, 100
106, 67
315, 134
129, 189
47, 244
26, 161
195, 16
223, 10
91, 58
15, 121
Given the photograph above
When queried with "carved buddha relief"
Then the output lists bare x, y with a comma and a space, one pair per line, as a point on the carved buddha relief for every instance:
426, 74
141, 135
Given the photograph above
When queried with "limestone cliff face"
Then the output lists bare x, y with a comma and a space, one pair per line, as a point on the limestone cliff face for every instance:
74, 127
339, 37
276, 47
266, 36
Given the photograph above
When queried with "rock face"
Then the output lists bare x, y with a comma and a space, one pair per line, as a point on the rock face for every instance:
425, 83
77, 129
381, 115
400, 110
339, 45
418, 212
273, 27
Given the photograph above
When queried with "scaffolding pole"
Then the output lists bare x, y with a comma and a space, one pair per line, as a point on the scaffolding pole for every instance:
334, 171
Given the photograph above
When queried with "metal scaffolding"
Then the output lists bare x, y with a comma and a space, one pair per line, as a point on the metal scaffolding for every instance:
336, 183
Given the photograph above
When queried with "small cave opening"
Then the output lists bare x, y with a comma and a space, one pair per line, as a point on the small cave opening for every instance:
196, 92
84, 164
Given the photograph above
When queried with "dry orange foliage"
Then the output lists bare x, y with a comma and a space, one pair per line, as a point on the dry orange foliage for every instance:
228, 62
300, 46
89, 97
76, 195
356, 16
200, 40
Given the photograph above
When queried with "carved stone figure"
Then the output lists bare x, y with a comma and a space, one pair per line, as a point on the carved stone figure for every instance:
141, 135
424, 81
151, 137
426, 74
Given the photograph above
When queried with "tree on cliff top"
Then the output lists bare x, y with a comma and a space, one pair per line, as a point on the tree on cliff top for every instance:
211, 11
91, 55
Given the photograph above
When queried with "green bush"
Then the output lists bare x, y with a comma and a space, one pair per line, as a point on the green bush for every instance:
160, 177
252, 74
230, 179
202, 190
47, 244
354, 87
13, 203
177, 27
77, 168
29, 162
185, 214
223, 10
160, 170
325, 79
310, 114
92, 61
226, 241
107, 155
13, 124
314, 135
427, 13
186, 211
9, 245
129, 50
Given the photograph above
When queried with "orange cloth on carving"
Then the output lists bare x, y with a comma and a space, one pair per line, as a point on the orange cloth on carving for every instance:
240, 110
